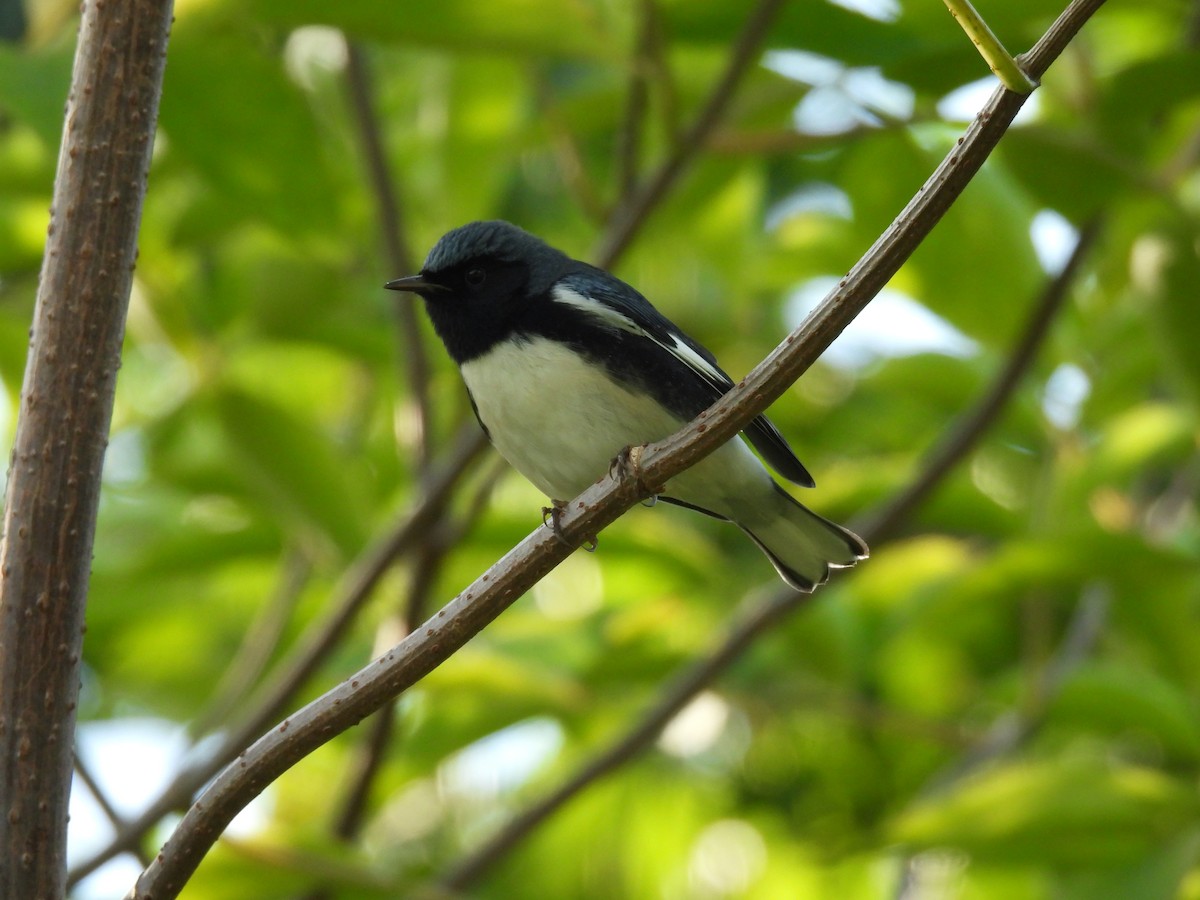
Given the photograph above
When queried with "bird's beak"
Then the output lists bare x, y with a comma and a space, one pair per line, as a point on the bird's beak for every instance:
415, 284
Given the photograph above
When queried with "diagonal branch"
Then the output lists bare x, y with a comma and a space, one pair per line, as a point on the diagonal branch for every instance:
955, 445
522, 567
629, 136
628, 216
762, 618
395, 241
84, 772
998, 59
356, 588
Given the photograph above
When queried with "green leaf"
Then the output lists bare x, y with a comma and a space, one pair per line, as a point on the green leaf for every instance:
293, 469
1128, 701
1072, 811
1161, 875
527, 27
1168, 268
229, 110
34, 85
1074, 174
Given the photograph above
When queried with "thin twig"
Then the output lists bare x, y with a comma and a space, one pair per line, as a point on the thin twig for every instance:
395, 241
445, 535
629, 135
999, 60
566, 150
372, 753
661, 78
747, 629
1013, 729
259, 644
744, 632
452, 626
627, 218
355, 589
110, 812
958, 441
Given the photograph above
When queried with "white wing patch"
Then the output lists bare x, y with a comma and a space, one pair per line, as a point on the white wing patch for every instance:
697, 362
598, 310
616, 319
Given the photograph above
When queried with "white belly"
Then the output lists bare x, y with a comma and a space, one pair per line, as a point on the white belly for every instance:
560, 421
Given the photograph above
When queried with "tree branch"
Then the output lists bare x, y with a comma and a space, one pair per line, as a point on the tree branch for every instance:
1014, 728
66, 408
957, 442
521, 568
628, 216
749, 627
998, 59
356, 588
629, 135
396, 245
84, 773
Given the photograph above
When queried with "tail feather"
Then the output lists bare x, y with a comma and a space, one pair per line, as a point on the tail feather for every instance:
803, 546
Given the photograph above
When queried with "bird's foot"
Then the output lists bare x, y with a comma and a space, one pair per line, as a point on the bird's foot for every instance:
551, 516
628, 464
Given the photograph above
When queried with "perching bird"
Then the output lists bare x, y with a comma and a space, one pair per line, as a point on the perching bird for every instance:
566, 366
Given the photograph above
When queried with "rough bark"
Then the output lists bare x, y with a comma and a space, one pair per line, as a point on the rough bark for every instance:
62, 428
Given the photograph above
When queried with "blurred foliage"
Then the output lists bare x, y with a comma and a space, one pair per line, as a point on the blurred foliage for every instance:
264, 435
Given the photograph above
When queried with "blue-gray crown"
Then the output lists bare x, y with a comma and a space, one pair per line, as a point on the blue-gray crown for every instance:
496, 239
501, 241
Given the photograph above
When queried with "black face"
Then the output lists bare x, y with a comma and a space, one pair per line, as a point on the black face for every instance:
475, 304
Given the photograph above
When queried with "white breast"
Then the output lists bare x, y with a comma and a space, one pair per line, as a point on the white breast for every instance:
556, 418
560, 421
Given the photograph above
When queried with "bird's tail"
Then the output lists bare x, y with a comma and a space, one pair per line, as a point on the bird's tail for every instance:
802, 546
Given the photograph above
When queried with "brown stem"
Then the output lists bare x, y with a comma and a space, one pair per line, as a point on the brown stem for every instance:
628, 217
759, 621
62, 430
957, 442
84, 773
586, 515
356, 588
395, 241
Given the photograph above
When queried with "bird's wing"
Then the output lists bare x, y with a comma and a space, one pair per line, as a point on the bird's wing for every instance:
617, 305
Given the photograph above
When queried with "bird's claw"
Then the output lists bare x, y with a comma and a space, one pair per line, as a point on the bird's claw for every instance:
551, 516
628, 464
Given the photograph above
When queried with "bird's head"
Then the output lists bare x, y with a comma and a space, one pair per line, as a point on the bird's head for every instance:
478, 281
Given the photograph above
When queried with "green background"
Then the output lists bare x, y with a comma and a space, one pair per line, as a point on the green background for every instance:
1001, 703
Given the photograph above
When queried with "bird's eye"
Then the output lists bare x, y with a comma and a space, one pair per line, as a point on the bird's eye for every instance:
475, 277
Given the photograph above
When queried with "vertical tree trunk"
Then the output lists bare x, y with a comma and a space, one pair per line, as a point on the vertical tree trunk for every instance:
62, 428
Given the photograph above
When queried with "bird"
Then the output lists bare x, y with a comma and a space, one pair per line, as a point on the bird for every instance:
566, 366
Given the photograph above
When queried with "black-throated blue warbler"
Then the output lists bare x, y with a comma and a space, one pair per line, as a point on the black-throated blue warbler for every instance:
566, 366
